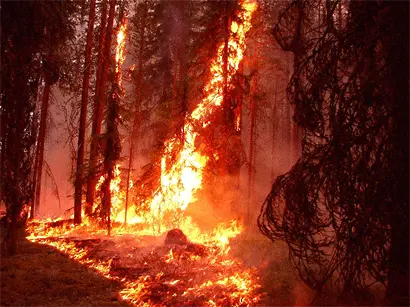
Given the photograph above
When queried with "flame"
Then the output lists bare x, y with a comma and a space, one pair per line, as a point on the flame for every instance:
207, 276
183, 178
120, 49
238, 119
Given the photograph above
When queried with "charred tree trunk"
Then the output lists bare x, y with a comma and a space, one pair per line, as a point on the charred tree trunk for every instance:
112, 146
97, 113
112, 152
136, 118
39, 161
251, 166
83, 117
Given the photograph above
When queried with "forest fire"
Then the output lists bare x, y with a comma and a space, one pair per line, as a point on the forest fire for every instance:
149, 157
183, 178
193, 267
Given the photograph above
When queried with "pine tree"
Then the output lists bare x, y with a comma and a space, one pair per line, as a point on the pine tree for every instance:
28, 31
100, 102
83, 116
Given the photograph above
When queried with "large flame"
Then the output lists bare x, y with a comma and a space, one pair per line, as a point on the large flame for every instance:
214, 276
183, 178
182, 164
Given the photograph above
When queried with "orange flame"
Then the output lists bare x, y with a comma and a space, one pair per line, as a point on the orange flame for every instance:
120, 49
180, 178
180, 181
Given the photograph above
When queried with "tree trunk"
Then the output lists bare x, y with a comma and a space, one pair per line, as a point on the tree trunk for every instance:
112, 152
112, 149
83, 117
136, 118
40, 145
252, 122
97, 116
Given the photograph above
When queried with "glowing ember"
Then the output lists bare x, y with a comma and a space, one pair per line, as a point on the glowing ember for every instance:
180, 275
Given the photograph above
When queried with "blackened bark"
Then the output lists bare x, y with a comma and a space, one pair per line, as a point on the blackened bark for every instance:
40, 144
136, 116
83, 117
97, 115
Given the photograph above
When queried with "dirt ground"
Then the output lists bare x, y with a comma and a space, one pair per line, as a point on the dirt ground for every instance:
40, 275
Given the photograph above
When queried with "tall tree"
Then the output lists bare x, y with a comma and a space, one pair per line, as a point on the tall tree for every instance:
343, 208
28, 31
100, 99
140, 26
39, 156
83, 116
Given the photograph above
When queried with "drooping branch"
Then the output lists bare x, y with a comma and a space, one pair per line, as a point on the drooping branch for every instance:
334, 208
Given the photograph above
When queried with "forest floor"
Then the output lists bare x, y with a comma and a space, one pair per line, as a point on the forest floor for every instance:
40, 275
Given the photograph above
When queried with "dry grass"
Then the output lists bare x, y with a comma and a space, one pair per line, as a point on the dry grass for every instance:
41, 276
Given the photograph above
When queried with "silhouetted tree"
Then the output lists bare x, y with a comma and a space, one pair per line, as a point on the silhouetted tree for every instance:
83, 116
343, 207
29, 31
104, 60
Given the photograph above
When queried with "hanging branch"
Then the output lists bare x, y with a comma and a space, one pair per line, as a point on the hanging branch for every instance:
339, 208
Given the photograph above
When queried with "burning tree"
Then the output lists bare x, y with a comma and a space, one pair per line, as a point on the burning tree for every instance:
192, 267
113, 146
343, 207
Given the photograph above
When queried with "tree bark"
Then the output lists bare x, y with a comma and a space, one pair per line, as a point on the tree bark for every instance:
111, 153
40, 145
83, 117
252, 122
136, 118
97, 116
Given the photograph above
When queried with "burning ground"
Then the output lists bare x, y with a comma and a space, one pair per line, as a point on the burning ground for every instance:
63, 265
158, 270
75, 267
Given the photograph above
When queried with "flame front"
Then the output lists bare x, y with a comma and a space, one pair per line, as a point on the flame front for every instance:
180, 181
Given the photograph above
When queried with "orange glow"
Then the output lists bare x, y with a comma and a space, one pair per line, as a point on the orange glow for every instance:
120, 49
183, 178
238, 119
202, 273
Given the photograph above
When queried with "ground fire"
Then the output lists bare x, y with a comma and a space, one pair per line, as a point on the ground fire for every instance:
188, 267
